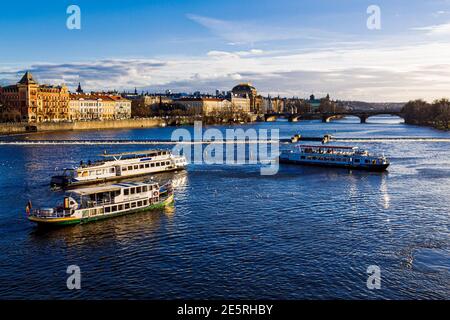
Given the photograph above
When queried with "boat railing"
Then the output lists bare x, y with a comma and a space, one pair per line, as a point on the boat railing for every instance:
92, 164
326, 152
51, 213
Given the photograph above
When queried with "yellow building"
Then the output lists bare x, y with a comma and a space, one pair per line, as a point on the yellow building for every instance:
92, 107
30, 102
241, 103
204, 106
122, 107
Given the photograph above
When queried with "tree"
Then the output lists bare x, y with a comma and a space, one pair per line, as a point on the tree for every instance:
421, 112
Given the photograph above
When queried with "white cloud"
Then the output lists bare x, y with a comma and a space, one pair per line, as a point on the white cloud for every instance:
236, 54
238, 32
436, 30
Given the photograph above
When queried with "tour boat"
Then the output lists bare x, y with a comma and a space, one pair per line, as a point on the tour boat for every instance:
334, 156
120, 166
96, 203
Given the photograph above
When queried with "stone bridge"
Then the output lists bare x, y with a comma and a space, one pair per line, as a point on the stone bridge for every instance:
328, 116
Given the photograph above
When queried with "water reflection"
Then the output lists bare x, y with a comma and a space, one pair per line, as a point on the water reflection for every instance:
385, 198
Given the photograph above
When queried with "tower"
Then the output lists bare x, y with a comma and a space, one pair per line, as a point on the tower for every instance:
79, 90
28, 96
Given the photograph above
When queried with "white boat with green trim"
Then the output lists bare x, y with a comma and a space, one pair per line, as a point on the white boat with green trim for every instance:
96, 203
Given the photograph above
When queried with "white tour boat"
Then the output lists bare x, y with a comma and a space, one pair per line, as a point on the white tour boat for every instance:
120, 166
334, 156
95, 203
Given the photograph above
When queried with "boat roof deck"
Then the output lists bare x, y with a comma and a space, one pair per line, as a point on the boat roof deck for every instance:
328, 147
146, 152
114, 187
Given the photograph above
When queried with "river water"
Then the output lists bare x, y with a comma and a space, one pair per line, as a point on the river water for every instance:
304, 233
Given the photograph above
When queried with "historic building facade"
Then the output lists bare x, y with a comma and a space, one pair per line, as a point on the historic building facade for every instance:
204, 106
240, 103
98, 107
122, 108
246, 90
29, 101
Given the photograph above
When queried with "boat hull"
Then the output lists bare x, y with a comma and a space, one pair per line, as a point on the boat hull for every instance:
371, 167
61, 222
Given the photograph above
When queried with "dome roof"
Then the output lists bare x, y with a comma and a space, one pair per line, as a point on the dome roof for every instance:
244, 87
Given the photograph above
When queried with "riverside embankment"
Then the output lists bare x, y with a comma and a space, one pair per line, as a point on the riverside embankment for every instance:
10, 128
135, 123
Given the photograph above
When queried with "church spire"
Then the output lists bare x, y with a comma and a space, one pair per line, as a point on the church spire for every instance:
79, 90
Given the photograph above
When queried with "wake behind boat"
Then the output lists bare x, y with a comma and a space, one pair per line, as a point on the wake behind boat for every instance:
96, 203
119, 166
334, 156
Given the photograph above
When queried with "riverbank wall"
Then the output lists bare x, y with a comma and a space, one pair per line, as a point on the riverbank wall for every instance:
11, 128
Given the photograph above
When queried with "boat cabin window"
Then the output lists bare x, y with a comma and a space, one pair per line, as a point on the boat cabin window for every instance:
133, 204
127, 206
367, 161
167, 163
114, 208
158, 164
138, 189
141, 166
147, 165
139, 203
120, 207
302, 157
107, 209
99, 172
130, 167
145, 202
124, 169
126, 192
132, 190
357, 160
111, 170
153, 164
136, 167
144, 189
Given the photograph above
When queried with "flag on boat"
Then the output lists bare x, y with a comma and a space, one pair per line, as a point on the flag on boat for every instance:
28, 207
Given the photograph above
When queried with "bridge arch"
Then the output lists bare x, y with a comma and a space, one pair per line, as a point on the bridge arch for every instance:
330, 117
363, 116
398, 115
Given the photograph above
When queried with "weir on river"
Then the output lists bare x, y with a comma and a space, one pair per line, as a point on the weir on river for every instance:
170, 142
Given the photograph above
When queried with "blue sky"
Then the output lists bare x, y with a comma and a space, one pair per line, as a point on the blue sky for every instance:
282, 47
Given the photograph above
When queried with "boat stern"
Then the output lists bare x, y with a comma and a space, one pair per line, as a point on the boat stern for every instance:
50, 217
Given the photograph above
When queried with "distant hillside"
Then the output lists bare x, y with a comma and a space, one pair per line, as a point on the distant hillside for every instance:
360, 105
